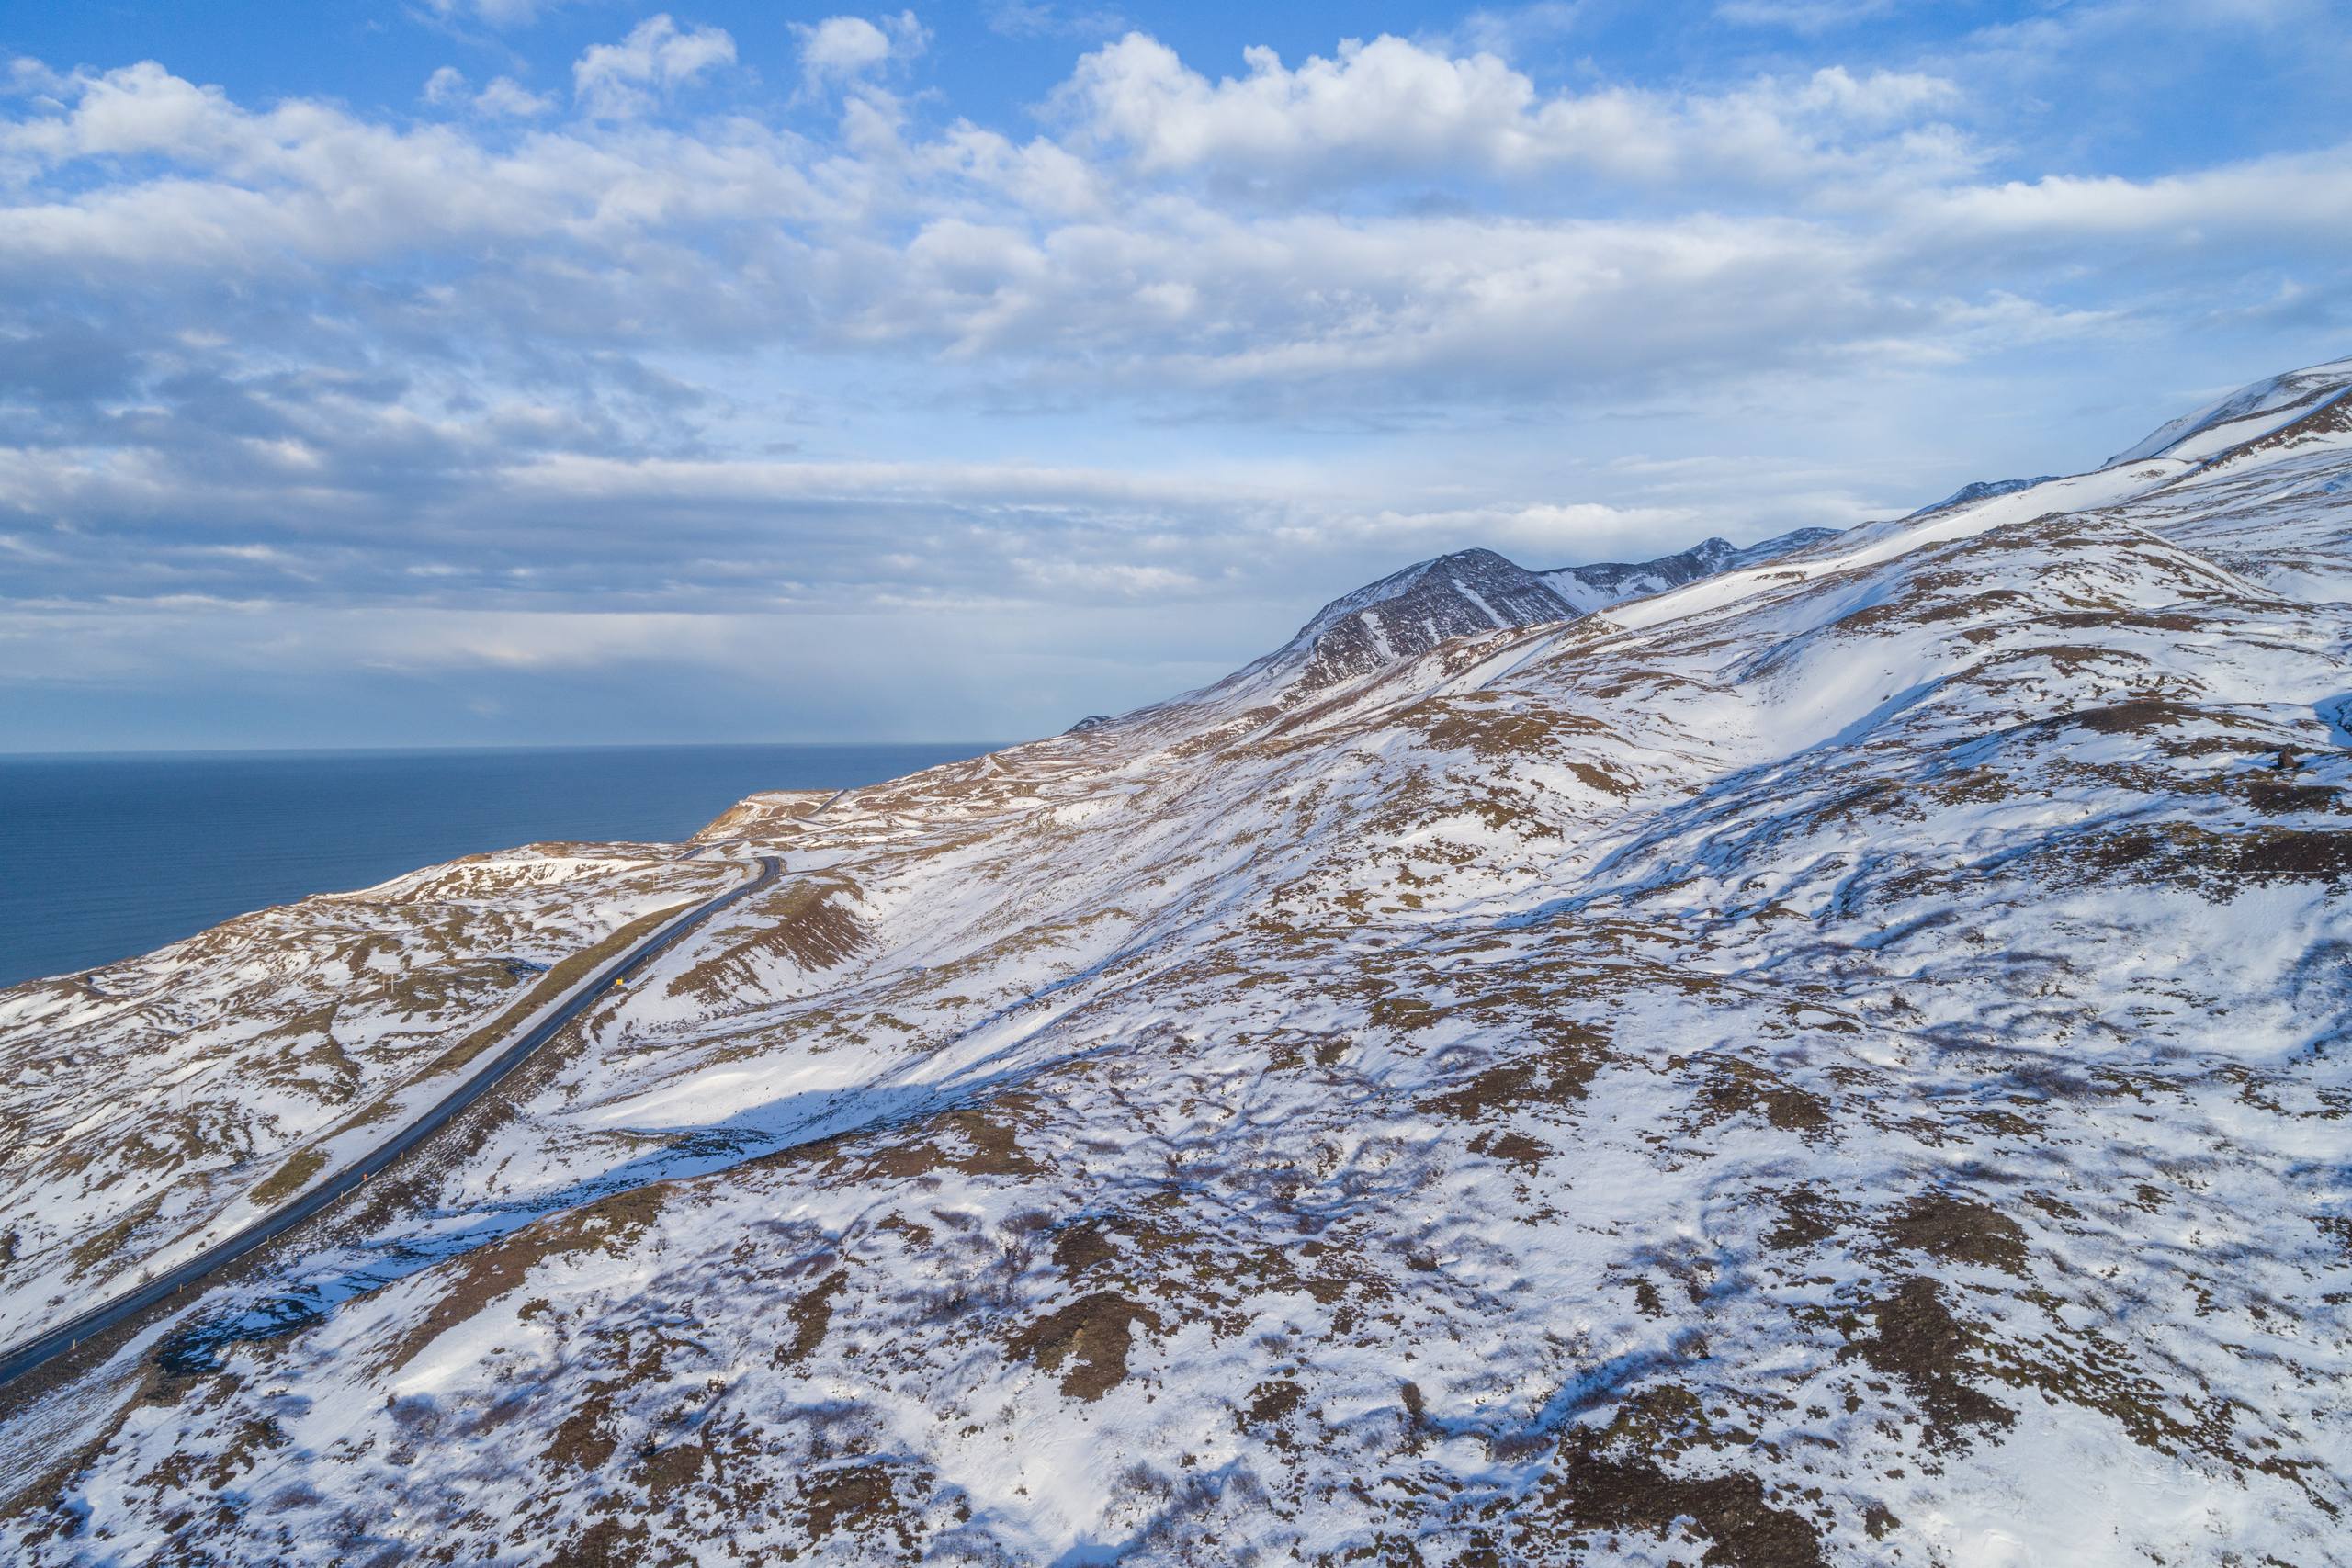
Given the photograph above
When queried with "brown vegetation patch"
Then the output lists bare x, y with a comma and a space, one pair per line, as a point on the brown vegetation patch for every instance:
2145, 715
587, 1437
1093, 1335
437, 988
2289, 855
812, 1314
1958, 1230
1877, 797
2186, 852
1920, 1344
1193, 1274
306, 1057
1917, 603
1807, 1217
2151, 620
1401, 1011
668, 1471
1734, 1086
809, 922
2274, 798
1558, 1070
473, 1281
1666, 1420
607, 1543
291, 1177
1493, 732
1084, 1247
2334, 417
1599, 1491
1599, 778
861, 1500
1270, 1403
971, 1140
766, 813
99, 1249
2087, 1369
1528, 1154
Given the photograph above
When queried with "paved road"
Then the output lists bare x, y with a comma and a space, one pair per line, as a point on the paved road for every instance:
22, 1359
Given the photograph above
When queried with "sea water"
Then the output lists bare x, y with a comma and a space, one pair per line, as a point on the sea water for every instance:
105, 856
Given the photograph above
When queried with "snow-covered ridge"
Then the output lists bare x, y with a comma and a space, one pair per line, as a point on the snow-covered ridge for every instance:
1595, 587
2246, 415
1981, 490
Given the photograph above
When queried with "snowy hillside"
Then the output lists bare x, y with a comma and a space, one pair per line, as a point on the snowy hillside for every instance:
1835, 1055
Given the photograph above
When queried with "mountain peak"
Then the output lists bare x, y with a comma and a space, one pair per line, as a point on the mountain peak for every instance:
1407, 613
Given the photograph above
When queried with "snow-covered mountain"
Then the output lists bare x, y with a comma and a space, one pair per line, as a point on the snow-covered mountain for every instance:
1468, 593
1838, 1058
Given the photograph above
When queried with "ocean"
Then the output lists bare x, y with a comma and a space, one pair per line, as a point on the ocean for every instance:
105, 856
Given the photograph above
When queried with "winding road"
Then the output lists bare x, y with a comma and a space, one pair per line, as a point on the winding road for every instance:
37, 1352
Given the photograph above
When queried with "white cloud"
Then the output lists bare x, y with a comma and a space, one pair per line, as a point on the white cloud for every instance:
507, 98
615, 81
842, 46
843, 49
1393, 107
1060, 269
503, 98
2302, 194
27, 75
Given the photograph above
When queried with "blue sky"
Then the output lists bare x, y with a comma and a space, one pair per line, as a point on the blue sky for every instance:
479, 371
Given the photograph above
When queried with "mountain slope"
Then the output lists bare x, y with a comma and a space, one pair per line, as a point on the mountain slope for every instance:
1839, 1060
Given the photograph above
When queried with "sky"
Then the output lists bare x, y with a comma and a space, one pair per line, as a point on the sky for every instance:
462, 372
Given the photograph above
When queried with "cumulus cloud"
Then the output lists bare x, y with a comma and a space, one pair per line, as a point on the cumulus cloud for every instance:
505, 97
617, 80
845, 49
1392, 105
